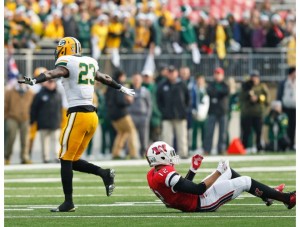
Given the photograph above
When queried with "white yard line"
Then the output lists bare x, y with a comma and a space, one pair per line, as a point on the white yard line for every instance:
84, 195
19, 209
200, 216
143, 162
117, 187
75, 187
32, 207
56, 180
203, 170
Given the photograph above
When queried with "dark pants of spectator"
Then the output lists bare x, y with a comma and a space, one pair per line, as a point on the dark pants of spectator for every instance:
291, 113
142, 127
209, 133
198, 126
248, 123
155, 133
279, 145
107, 129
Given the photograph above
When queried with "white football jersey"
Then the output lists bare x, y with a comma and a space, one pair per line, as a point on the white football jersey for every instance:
79, 86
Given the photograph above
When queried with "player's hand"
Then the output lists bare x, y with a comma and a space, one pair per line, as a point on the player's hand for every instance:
127, 91
223, 166
196, 162
27, 80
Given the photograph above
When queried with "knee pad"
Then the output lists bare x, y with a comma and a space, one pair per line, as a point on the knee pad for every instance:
247, 182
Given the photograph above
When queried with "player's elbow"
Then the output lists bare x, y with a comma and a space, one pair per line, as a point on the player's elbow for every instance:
202, 188
187, 186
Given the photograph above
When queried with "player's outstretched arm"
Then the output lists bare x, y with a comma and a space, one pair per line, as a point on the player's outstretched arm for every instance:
47, 75
222, 167
187, 186
107, 80
195, 165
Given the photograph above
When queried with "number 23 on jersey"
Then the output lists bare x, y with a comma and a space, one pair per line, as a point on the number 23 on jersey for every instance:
87, 74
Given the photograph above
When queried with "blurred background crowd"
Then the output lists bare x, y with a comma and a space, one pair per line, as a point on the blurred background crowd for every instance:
180, 104
135, 26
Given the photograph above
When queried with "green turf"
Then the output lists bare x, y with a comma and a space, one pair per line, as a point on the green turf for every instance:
133, 204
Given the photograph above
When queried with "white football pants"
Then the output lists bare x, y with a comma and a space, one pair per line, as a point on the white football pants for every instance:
224, 190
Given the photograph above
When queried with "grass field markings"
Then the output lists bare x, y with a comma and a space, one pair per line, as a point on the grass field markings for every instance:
97, 195
118, 204
19, 209
150, 216
45, 180
238, 169
85, 195
246, 169
143, 162
35, 180
74, 187
99, 187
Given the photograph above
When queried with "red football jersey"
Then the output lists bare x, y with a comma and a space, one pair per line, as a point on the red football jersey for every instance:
162, 181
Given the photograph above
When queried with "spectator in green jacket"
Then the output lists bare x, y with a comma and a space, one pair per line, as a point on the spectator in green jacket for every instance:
188, 34
108, 133
128, 35
254, 98
7, 29
200, 104
84, 28
277, 122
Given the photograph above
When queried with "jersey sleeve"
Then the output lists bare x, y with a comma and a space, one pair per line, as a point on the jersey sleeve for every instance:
62, 61
168, 176
172, 179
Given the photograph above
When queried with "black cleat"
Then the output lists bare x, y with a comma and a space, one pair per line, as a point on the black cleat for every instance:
109, 181
64, 207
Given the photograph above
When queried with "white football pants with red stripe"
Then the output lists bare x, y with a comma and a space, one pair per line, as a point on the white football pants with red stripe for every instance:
224, 190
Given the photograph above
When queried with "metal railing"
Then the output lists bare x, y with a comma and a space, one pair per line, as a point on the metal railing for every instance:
272, 63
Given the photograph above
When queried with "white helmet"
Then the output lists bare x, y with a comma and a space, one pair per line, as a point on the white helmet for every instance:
161, 153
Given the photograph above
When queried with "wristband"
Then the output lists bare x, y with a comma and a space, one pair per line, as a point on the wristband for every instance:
41, 78
115, 85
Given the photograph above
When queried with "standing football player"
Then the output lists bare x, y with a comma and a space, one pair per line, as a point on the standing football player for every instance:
220, 187
78, 75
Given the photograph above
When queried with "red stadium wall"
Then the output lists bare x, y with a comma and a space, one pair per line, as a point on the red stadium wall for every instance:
216, 8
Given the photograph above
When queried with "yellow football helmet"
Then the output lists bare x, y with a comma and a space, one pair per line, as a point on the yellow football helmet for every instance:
67, 46
38, 71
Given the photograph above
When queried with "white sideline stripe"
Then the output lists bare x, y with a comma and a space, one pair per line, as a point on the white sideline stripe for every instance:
35, 180
244, 169
19, 209
76, 187
123, 205
97, 195
139, 181
143, 162
117, 187
148, 216
44, 180
84, 195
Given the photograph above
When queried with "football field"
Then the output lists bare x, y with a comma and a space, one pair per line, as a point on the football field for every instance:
32, 190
